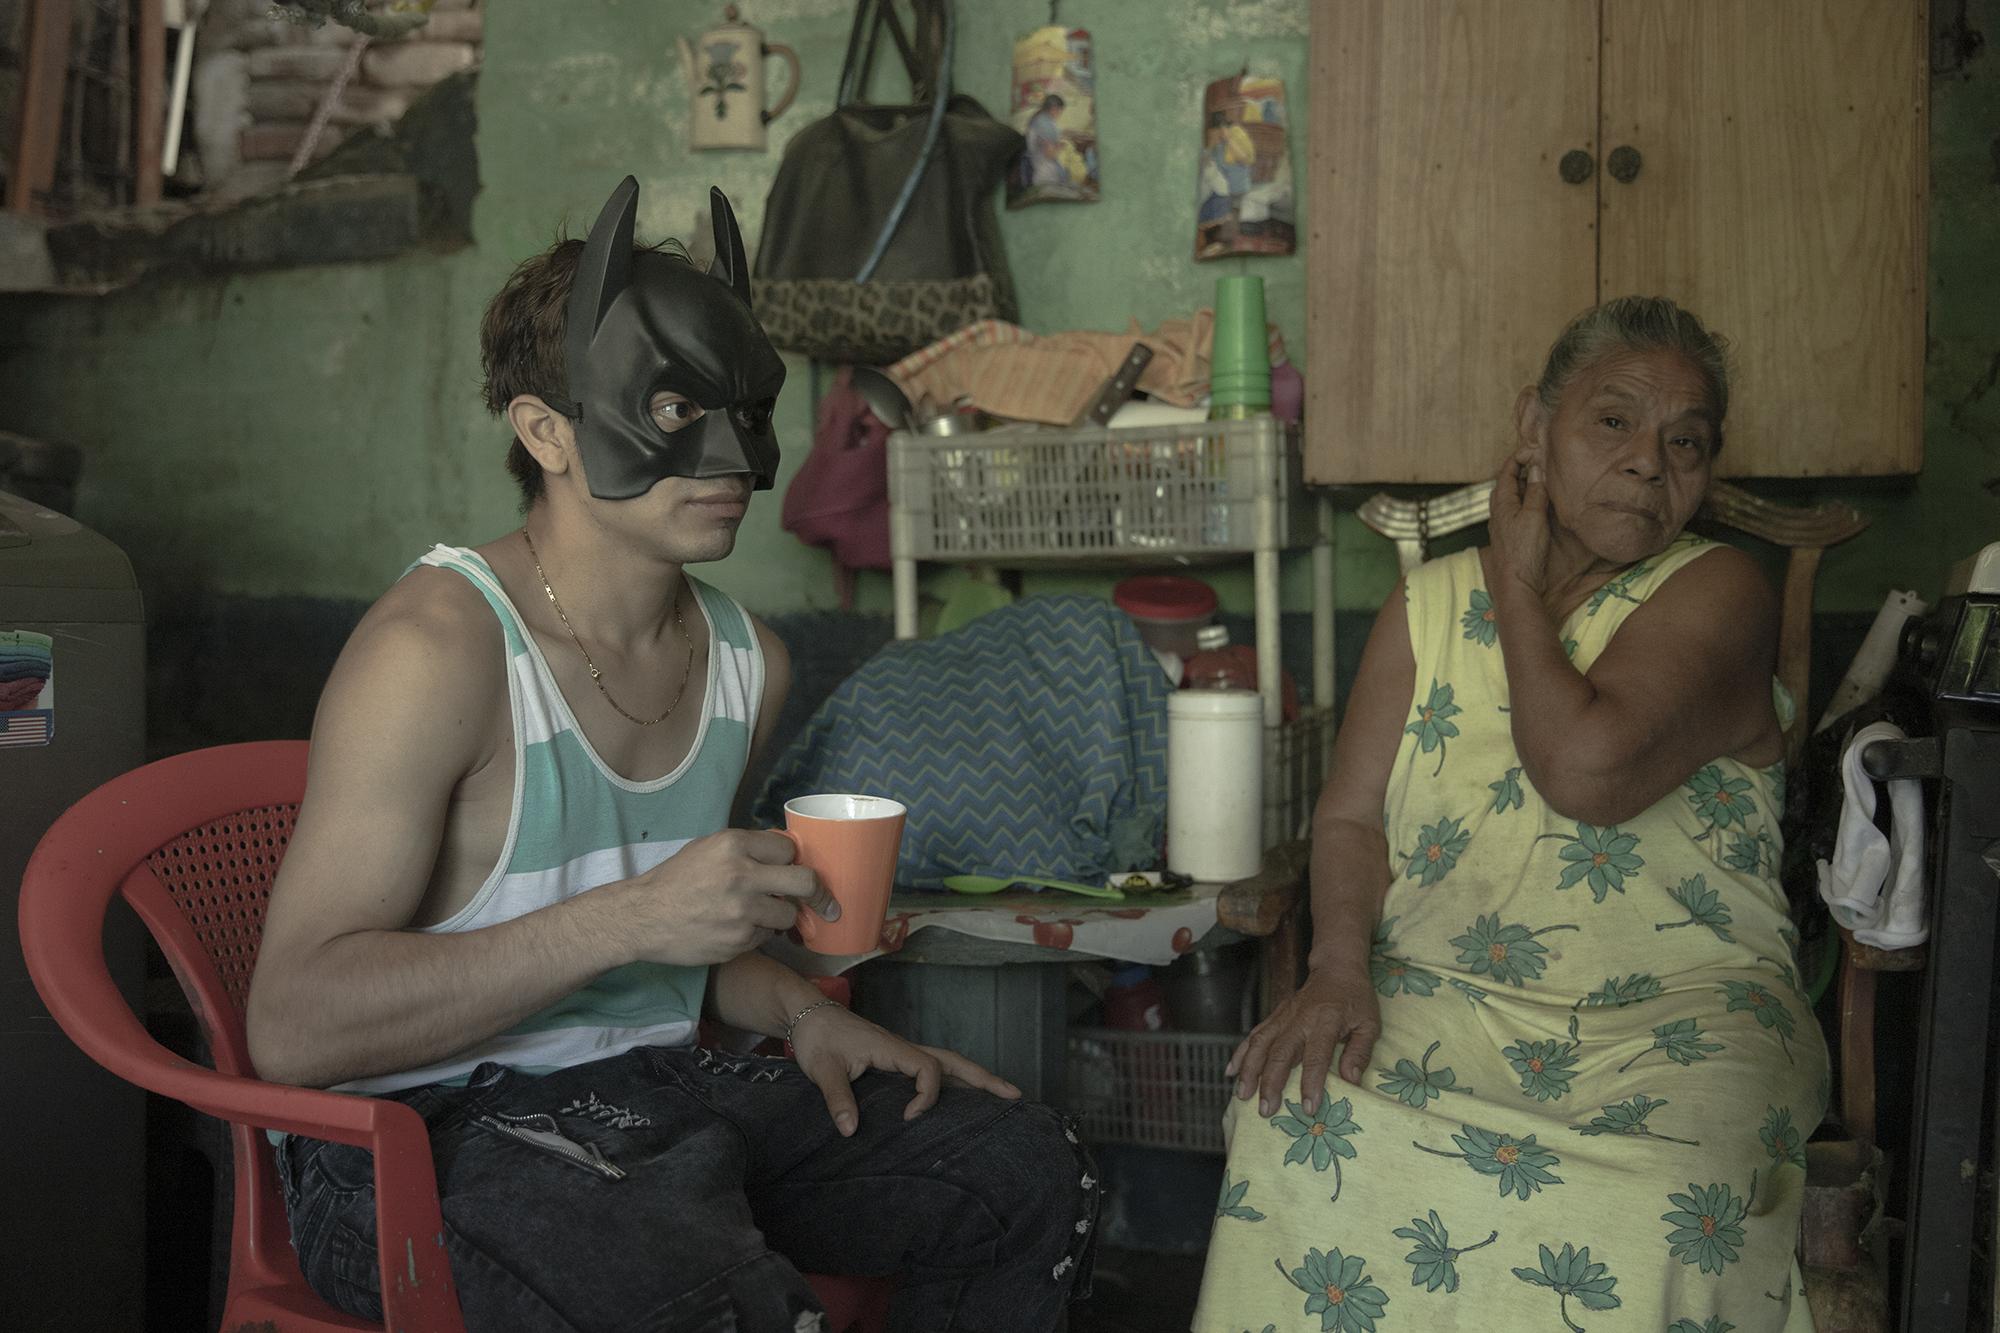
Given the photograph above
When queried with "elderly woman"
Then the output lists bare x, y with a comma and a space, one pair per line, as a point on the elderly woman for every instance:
1551, 957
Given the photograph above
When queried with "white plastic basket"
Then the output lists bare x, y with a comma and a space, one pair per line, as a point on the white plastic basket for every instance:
1022, 494
1152, 1089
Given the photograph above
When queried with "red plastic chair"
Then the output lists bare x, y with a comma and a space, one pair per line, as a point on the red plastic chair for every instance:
192, 844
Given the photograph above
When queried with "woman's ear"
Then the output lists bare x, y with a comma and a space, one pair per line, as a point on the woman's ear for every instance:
1531, 419
542, 431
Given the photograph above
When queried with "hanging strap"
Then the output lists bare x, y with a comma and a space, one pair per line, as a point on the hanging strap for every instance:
869, 18
858, 61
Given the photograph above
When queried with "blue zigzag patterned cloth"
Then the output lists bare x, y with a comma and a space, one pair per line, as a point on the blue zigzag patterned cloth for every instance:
1032, 741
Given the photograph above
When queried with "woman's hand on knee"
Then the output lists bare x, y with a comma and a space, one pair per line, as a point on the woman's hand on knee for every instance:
1332, 1010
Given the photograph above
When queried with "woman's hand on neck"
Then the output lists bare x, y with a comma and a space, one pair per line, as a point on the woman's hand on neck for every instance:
1532, 555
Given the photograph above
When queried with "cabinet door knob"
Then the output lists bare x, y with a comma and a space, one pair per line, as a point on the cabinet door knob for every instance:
1576, 166
1623, 164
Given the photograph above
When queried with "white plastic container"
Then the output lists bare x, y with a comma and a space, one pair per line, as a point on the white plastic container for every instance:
1215, 783
1869, 671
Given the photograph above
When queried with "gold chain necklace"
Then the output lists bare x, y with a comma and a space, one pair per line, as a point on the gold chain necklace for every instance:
596, 676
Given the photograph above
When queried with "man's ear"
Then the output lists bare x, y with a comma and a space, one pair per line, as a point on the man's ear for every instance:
1531, 419
542, 431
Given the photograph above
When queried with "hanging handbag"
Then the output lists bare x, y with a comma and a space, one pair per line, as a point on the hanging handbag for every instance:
880, 235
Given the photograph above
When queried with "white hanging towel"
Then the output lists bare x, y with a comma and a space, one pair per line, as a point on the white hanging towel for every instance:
1865, 861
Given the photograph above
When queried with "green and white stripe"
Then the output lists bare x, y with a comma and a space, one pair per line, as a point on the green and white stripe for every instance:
577, 825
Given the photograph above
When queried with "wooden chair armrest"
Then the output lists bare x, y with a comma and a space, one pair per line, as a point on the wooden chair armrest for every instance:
1871, 959
1259, 905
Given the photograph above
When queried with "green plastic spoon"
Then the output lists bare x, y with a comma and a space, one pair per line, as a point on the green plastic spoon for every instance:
995, 883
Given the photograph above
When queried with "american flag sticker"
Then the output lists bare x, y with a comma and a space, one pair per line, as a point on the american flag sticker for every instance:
27, 689
36, 727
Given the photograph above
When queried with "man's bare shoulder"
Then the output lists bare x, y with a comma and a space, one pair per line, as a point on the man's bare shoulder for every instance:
777, 657
431, 640
435, 612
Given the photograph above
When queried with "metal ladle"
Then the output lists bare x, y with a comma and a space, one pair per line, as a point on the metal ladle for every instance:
889, 403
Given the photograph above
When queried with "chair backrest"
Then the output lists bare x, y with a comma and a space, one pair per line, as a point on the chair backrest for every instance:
218, 878
192, 844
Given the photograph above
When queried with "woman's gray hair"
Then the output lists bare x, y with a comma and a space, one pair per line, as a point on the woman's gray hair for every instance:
1637, 324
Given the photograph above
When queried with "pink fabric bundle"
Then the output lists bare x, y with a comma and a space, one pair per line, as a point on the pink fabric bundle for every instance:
18, 694
839, 498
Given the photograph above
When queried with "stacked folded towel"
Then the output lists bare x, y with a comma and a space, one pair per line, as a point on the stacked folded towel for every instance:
25, 666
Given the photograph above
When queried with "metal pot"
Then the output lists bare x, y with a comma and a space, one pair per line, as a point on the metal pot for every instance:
1206, 991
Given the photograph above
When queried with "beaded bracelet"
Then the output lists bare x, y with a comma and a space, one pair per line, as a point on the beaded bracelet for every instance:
797, 1018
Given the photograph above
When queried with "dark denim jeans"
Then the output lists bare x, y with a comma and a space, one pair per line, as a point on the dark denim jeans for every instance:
687, 1189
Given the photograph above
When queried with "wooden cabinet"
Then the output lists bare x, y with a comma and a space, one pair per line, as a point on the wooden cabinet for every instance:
1769, 164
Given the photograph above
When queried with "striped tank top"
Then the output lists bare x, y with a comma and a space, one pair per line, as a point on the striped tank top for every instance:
576, 824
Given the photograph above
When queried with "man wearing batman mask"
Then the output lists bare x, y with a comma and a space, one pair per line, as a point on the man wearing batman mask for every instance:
512, 893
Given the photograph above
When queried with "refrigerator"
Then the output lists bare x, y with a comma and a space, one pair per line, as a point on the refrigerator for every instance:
72, 715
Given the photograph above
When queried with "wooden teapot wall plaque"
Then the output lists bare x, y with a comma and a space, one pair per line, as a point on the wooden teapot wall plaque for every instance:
725, 73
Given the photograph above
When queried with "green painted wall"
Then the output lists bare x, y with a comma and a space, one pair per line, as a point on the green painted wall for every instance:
1953, 507
309, 431
1097, 266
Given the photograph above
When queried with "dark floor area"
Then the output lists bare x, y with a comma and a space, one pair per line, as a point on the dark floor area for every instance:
1152, 1238
1137, 1291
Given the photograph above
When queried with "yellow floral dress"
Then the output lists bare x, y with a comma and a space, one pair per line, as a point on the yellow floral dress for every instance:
1597, 1069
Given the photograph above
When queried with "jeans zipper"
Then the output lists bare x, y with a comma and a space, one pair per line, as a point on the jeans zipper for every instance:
585, 1155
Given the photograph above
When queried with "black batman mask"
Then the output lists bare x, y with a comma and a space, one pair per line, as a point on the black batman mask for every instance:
640, 323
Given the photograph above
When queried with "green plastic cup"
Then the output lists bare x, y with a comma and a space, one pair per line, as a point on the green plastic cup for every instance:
1242, 389
1240, 358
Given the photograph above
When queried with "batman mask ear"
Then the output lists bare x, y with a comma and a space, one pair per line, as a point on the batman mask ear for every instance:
731, 264
601, 274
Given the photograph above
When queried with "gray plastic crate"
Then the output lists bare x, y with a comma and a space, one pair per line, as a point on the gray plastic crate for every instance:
1151, 1089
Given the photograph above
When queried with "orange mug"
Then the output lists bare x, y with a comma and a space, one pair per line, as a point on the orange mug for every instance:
850, 842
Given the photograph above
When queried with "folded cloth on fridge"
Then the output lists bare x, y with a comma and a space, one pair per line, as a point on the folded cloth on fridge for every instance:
1865, 860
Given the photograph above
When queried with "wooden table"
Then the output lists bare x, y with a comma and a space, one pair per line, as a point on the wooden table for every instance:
1005, 1003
